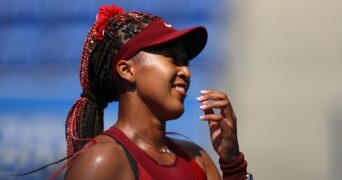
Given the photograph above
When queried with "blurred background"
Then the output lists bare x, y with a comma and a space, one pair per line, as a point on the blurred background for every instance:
279, 62
40, 48
285, 70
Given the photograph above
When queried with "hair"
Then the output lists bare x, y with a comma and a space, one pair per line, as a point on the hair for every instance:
99, 80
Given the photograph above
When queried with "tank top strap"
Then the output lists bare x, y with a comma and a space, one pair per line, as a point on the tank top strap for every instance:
132, 148
149, 167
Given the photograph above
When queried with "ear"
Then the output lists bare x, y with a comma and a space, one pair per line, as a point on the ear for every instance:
125, 69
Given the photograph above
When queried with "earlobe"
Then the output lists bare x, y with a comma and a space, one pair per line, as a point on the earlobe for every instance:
125, 69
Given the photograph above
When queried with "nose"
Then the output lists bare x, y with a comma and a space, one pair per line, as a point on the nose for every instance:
184, 73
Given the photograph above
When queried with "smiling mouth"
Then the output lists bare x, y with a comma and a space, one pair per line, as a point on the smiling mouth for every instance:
181, 89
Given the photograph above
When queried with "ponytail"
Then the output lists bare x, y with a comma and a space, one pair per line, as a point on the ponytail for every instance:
85, 119
99, 83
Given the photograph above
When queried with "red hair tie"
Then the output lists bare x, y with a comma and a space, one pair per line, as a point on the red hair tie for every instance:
102, 17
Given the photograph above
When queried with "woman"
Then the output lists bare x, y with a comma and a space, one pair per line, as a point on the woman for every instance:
141, 61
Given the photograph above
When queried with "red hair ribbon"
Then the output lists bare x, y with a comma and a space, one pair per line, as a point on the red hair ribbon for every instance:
103, 15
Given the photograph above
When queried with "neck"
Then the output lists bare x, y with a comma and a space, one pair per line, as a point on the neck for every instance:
143, 125
143, 133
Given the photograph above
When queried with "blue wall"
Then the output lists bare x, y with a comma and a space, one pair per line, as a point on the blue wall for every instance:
40, 47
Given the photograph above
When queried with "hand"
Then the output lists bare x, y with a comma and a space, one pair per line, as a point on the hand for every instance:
222, 125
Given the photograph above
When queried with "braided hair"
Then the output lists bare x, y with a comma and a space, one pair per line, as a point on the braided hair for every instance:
100, 84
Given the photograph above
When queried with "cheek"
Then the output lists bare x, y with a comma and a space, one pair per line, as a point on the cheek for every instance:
154, 84
160, 74
154, 75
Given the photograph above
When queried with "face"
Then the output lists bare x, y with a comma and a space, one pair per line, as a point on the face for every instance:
162, 79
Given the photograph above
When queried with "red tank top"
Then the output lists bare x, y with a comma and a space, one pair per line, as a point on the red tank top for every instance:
184, 166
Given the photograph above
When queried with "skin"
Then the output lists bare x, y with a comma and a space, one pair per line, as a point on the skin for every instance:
151, 77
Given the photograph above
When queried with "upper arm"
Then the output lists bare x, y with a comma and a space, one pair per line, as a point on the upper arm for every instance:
100, 161
201, 157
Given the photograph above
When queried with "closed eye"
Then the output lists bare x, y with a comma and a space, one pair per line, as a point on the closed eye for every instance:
178, 59
174, 50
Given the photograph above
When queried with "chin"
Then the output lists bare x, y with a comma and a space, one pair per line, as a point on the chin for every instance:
175, 114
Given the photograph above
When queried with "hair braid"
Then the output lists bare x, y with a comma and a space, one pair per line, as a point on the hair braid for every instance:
98, 80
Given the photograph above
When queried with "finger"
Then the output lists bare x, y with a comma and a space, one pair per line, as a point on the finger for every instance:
214, 128
211, 117
214, 104
209, 91
222, 121
225, 108
218, 125
211, 95
215, 134
206, 110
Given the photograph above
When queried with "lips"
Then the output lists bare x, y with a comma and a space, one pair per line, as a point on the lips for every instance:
180, 88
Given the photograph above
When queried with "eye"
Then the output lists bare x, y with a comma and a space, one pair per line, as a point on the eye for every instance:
178, 58
173, 57
176, 54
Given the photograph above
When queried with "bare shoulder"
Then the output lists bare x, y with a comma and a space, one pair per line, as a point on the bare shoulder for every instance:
105, 159
201, 157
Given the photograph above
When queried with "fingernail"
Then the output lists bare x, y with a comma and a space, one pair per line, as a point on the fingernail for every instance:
202, 117
203, 107
200, 98
203, 91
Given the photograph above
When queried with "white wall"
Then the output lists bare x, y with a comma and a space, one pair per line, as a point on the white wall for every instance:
284, 78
